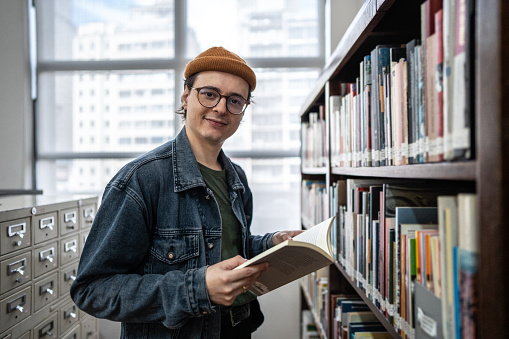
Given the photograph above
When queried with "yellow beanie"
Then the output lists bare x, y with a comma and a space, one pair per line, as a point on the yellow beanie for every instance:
221, 60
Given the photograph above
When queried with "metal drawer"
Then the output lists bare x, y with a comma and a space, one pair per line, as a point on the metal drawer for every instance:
15, 308
68, 316
45, 291
69, 249
73, 334
88, 327
15, 235
45, 227
47, 329
67, 277
15, 271
83, 239
87, 215
45, 258
69, 220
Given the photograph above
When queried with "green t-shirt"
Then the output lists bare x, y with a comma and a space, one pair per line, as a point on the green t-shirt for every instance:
231, 238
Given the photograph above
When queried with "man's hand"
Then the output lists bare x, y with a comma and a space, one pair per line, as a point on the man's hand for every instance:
279, 237
224, 284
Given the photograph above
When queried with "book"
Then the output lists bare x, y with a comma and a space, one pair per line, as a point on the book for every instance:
448, 76
348, 306
366, 109
412, 103
294, 258
334, 107
468, 263
360, 317
379, 60
409, 234
439, 87
364, 327
463, 61
431, 7
336, 300
428, 314
373, 335
448, 233
400, 126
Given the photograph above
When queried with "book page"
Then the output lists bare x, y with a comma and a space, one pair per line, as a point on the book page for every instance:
318, 235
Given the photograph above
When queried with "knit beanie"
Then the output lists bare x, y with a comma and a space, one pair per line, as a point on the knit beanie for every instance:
221, 60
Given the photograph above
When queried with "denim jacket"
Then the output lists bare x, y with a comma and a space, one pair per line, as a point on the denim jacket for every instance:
155, 233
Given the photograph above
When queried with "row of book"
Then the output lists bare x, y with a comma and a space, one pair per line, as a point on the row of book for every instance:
313, 140
411, 103
353, 319
346, 314
314, 202
308, 326
392, 235
316, 287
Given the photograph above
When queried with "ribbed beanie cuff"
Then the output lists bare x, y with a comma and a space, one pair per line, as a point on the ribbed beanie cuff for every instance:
221, 60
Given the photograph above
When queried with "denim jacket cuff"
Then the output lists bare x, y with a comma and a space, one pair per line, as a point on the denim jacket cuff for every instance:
198, 296
268, 244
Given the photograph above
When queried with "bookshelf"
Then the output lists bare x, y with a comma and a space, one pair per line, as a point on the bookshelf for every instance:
398, 21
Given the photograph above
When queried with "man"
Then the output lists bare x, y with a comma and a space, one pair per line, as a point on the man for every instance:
174, 223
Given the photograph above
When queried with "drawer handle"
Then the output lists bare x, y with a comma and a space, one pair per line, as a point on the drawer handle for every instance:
89, 213
46, 289
70, 217
70, 313
71, 275
71, 246
46, 330
17, 230
13, 305
43, 256
47, 223
20, 269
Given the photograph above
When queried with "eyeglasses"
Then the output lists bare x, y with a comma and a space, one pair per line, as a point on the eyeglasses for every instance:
209, 97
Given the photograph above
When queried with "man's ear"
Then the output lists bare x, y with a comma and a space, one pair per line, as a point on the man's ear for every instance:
184, 98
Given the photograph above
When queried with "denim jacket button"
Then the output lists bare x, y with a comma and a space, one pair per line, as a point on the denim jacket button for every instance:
210, 245
204, 312
171, 255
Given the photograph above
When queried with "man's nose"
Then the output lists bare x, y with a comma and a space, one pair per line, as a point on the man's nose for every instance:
221, 105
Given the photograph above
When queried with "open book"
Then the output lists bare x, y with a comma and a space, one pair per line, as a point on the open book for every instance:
294, 258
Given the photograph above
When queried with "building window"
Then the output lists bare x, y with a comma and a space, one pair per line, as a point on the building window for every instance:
124, 60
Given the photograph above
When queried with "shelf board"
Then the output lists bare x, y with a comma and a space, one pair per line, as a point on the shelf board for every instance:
464, 170
314, 170
370, 304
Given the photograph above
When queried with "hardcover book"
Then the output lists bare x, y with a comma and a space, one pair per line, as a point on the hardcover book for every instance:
448, 233
468, 263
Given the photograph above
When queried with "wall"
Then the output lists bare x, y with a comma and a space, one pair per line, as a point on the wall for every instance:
338, 16
15, 110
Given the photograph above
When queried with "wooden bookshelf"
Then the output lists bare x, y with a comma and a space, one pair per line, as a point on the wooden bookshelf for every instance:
398, 21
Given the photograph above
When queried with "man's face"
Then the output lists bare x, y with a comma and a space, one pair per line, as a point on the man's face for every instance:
212, 126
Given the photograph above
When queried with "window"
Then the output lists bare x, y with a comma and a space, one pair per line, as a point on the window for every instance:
118, 66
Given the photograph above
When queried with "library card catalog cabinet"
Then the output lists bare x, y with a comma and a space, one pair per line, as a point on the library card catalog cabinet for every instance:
41, 239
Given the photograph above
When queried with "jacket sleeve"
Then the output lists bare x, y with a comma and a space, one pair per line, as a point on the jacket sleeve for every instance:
112, 283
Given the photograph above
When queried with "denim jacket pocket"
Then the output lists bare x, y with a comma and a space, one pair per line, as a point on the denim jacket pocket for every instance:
179, 250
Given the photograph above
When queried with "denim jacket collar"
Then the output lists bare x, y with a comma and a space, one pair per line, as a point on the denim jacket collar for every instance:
187, 173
